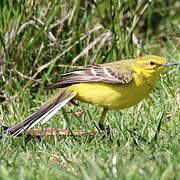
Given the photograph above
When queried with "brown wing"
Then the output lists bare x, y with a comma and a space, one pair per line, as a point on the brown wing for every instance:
95, 73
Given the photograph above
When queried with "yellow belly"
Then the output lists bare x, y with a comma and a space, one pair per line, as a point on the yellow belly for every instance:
111, 96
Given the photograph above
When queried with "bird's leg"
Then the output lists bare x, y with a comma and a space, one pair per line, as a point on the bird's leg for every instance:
82, 112
101, 121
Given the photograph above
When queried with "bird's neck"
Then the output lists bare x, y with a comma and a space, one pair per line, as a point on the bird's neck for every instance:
146, 78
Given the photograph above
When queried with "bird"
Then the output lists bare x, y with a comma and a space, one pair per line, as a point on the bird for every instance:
112, 86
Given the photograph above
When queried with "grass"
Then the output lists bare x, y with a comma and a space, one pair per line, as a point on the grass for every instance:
41, 39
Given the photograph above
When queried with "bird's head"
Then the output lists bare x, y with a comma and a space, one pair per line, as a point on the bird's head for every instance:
151, 65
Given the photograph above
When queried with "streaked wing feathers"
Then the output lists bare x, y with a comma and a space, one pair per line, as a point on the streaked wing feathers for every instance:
95, 73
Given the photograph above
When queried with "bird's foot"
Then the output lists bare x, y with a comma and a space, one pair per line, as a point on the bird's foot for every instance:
106, 131
80, 113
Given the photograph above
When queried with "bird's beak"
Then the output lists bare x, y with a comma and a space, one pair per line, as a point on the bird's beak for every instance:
170, 64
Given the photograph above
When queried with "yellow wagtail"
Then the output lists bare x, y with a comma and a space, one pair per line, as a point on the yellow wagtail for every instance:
116, 85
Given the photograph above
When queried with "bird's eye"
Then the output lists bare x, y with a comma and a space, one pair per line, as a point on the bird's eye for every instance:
152, 63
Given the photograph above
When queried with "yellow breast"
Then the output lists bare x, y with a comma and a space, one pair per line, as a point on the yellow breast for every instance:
112, 96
